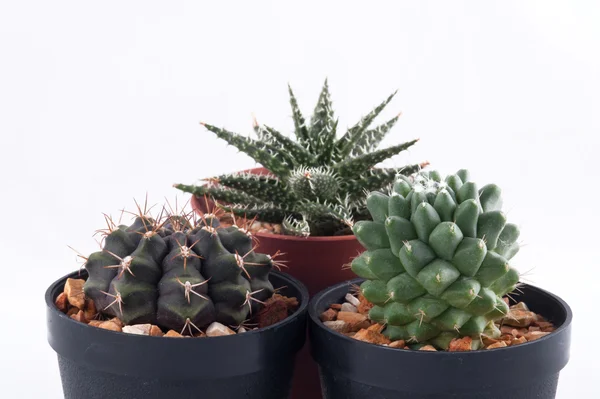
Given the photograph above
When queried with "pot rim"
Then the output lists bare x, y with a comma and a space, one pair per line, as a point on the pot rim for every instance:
303, 301
314, 317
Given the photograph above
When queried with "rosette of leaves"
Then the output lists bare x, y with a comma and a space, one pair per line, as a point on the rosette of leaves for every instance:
318, 181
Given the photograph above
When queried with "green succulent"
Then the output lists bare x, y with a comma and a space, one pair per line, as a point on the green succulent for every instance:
317, 182
437, 259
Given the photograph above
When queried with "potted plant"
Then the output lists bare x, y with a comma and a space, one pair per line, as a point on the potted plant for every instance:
310, 189
434, 316
176, 307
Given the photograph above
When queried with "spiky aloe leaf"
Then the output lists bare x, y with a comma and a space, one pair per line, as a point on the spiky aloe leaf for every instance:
376, 179
266, 212
322, 125
260, 152
220, 194
300, 129
356, 166
296, 227
341, 209
346, 143
372, 137
263, 187
298, 153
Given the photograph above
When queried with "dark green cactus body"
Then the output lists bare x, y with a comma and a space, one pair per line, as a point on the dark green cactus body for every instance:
178, 275
317, 182
437, 258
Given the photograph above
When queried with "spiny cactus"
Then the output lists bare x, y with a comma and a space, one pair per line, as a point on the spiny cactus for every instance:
178, 272
437, 258
317, 182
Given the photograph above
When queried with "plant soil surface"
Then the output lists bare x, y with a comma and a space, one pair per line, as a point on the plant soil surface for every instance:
351, 318
73, 303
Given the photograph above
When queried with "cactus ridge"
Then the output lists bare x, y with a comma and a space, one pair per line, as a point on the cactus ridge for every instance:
437, 258
178, 272
316, 181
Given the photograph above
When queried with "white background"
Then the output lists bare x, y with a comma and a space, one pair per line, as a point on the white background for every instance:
100, 103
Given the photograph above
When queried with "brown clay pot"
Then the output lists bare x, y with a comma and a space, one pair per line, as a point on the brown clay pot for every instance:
315, 261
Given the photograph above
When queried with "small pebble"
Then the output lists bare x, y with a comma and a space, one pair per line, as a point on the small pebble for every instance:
352, 299
348, 307
499, 344
337, 325
138, 329
217, 329
74, 291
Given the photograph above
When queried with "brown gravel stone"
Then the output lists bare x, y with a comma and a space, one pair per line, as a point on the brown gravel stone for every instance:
532, 336
61, 302
79, 316
364, 306
428, 348
355, 321
499, 344
173, 334
72, 310
117, 321
377, 328
488, 341
460, 344
275, 310
328, 315
110, 325
337, 325
90, 310
521, 306
517, 341
397, 344
155, 331
74, 291
518, 317
372, 337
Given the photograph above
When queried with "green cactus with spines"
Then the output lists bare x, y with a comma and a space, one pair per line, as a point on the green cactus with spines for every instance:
437, 258
317, 182
178, 273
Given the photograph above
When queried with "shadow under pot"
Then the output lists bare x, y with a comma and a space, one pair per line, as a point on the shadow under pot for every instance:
352, 369
97, 364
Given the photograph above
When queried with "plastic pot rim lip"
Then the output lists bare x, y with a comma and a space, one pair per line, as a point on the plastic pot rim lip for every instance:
304, 301
314, 319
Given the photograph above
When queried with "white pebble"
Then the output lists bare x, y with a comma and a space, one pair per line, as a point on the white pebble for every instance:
348, 307
352, 299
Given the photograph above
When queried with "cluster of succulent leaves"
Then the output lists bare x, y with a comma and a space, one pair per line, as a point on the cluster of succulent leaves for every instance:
318, 182
178, 272
436, 265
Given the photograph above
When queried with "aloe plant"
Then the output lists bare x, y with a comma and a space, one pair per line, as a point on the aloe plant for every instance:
318, 182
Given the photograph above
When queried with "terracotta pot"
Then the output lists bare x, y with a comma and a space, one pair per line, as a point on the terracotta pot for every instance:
315, 261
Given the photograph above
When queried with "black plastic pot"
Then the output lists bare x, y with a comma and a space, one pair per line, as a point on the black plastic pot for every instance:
100, 364
352, 369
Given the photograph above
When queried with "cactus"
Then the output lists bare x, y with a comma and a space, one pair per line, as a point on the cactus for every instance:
177, 272
436, 264
317, 183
